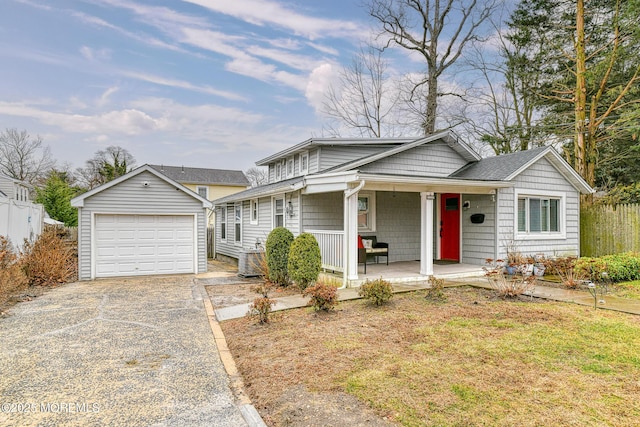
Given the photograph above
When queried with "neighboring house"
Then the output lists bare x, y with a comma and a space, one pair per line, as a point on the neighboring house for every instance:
142, 223
211, 184
431, 198
20, 218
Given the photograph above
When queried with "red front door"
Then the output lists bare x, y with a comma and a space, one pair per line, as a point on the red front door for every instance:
450, 227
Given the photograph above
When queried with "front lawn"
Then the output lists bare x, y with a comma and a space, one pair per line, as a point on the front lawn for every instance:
473, 360
629, 290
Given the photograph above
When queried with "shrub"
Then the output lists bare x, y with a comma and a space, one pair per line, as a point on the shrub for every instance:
277, 248
435, 292
619, 267
49, 260
261, 307
565, 268
12, 278
508, 286
377, 292
323, 296
305, 260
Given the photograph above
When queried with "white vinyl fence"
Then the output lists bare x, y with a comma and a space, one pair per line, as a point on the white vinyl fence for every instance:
20, 220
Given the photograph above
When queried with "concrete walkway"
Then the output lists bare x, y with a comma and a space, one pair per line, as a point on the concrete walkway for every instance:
126, 352
540, 291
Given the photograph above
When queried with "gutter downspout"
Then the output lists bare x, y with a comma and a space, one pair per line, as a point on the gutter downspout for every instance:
350, 227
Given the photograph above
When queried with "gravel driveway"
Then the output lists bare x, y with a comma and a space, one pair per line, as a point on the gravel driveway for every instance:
134, 352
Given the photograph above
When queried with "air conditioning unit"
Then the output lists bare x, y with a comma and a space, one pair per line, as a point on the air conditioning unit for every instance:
249, 262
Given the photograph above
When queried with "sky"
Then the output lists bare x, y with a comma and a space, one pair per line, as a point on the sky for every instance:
200, 83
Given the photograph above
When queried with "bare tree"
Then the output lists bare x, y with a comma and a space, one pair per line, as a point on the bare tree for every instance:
23, 157
366, 98
257, 176
106, 165
420, 26
506, 102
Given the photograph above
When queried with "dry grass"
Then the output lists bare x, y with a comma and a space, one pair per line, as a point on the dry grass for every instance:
474, 360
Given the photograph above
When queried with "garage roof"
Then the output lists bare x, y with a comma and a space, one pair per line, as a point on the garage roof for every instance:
78, 201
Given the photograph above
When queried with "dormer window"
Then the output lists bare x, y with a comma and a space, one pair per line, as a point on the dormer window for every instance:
290, 165
278, 171
304, 163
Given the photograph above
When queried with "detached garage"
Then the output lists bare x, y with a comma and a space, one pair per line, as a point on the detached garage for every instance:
142, 223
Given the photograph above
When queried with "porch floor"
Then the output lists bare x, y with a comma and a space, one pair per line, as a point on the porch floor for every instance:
409, 271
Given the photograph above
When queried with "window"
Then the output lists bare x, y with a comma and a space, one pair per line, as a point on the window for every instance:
290, 166
223, 223
278, 213
366, 211
203, 191
254, 211
278, 171
540, 215
238, 223
304, 163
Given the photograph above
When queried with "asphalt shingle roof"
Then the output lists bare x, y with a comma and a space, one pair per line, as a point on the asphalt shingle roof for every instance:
497, 168
260, 190
202, 175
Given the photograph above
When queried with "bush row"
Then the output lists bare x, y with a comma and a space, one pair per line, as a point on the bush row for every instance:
619, 267
48, 261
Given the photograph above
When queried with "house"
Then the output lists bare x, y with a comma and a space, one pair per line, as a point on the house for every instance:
431, 198
142, 223
211, 184
20, 218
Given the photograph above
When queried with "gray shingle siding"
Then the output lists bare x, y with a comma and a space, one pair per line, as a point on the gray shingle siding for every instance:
478, 240
131, 197
323, 211
434, 159
541, 176
332, 156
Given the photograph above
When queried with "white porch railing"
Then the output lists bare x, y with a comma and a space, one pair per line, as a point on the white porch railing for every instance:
331, 244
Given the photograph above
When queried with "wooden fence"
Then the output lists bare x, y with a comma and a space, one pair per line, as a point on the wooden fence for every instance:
608, 230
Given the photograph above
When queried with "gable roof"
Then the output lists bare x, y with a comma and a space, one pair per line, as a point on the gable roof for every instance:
505, 167
78, 201
449, 137
318, 142
203, 176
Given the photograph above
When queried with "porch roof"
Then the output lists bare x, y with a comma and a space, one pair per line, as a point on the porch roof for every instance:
340, 181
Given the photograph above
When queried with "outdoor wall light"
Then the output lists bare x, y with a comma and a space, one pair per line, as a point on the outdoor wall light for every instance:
289, 209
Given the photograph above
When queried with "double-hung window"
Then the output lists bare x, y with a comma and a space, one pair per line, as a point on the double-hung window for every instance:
203, 191
223, 223
540, 215
278, 213
290, 167
304, 163
366, 211
254, 211
238, 223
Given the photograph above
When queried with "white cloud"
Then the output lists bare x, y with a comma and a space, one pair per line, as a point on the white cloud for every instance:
319, 82
145, 39
95, 54
183, 85
262, 12
104, 98
257, 69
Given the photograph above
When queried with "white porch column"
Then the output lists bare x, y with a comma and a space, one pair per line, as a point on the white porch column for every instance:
350, 249
426, 233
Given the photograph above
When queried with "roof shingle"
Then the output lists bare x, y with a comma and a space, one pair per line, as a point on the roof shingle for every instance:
187, 175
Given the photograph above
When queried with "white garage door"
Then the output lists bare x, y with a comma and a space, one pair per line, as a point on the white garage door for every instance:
131, 245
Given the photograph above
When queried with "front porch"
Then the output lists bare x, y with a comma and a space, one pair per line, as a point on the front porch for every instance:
409, 272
